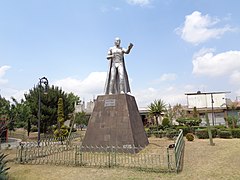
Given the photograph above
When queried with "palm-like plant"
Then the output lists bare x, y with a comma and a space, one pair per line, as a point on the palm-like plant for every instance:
156, 109
3, 168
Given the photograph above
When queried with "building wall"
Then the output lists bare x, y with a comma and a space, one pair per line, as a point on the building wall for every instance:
205, 100
217, 118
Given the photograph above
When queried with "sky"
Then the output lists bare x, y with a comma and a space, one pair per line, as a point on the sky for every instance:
180, 46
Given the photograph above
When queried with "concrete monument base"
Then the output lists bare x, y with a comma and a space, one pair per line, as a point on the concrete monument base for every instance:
115, 122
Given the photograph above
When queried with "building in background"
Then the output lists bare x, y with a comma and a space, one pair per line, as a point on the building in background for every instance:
83, 107
215, 104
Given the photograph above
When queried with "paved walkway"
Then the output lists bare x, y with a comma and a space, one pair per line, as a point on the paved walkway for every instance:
13, 142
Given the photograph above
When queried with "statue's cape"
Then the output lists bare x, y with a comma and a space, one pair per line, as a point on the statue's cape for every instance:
116, 81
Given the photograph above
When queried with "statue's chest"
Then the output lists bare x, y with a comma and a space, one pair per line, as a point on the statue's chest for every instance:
117, 51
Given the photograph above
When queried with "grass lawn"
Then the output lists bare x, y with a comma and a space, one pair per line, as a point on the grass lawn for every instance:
201, 161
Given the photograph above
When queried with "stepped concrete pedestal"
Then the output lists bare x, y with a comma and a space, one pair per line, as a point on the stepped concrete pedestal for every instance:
115, 122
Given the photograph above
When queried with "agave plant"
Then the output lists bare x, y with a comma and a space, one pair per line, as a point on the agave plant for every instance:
3, 167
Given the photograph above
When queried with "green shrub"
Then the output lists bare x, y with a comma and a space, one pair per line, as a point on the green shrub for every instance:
171, 133
203, 133
232, 121
165, 122
155, 128
60, 133
149, 133
3, 168
220, 127
198, 127
190, 136
185, 129
20, 124
193, 128
159, 133
214, 132
236, 133
225, 134
194, 121
34, 129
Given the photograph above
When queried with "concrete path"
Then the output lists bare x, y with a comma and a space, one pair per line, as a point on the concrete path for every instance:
12, 143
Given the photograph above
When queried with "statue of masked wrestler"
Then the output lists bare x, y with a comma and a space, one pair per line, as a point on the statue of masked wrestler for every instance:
117, 78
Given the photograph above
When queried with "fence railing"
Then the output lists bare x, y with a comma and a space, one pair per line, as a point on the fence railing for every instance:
179, 151
44, 137
165, 160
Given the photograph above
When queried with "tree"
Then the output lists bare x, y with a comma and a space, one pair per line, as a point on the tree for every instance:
178, 111
170, 114
49, 105
195, 112
232, 118
156, 109
4, 106
4, 120
61, 130
81, 119
73, 100
209, 130
21, 114
11, 125
232, 121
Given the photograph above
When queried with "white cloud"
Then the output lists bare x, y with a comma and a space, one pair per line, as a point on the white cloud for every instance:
139, 2
10, 92
168, 77
3, 70
105, 9
208, 64
235, 77
91, 86
170, 95
199, 28
165, 78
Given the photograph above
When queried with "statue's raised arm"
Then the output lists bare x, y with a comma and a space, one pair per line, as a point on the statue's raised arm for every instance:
129, 48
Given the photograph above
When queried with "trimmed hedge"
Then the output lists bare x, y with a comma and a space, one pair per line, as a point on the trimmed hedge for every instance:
171, 133
155, 128
225, 134
194, 128
203, 133
190, 136
236, 133
185, 129
220, 127
159, 134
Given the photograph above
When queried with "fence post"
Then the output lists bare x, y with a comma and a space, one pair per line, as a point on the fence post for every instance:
168, 159
109, 156
75, 159
115, 156
81, 156
21, 151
